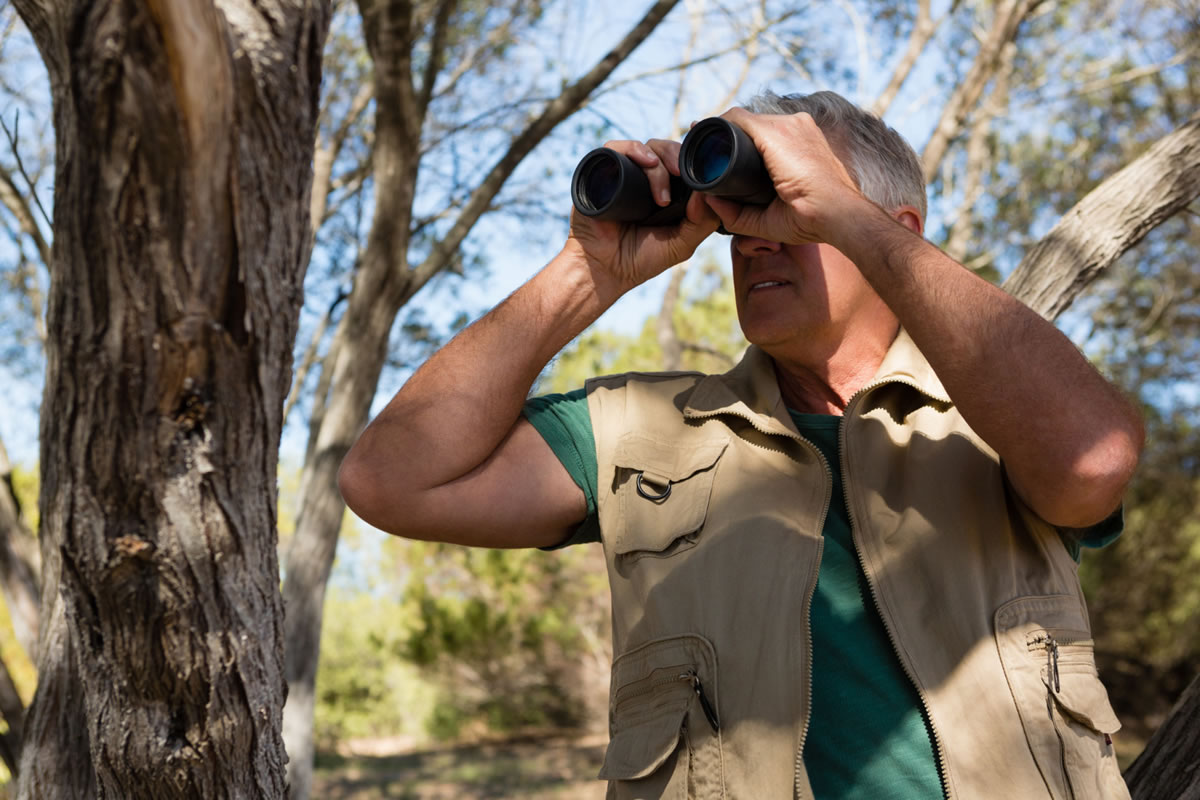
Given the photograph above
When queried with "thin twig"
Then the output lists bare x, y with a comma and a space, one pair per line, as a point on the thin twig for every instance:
12, 142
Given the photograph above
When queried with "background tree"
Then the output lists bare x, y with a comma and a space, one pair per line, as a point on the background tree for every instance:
178, 253
423, 58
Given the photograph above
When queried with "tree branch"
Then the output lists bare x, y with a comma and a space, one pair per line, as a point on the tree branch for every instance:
1112, 218
557, 110
437, 53
18, 206
1009, 16
12, 143
923, 30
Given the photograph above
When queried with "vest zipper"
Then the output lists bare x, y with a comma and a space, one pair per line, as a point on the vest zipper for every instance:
812, 578
854, 535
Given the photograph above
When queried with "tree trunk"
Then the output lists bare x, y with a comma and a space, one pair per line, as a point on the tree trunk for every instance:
184, 141
384, 282
1169, 767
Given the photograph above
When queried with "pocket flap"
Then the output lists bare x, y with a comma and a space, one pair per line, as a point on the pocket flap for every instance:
665, 492
638, 748
670, 461
1082, 696
649, 702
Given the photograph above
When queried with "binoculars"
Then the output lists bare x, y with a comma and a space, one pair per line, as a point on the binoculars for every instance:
716, 157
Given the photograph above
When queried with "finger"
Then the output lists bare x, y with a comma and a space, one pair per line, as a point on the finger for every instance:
668, 153
637, 152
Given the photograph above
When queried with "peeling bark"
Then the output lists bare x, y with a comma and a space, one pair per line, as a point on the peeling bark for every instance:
184, 134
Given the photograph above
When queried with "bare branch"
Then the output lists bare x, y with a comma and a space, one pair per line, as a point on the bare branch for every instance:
923, 30
496, 35
12, 143
437, 52
556, 111
978, 158
18, 206
310, 354
326, 156
1009, 16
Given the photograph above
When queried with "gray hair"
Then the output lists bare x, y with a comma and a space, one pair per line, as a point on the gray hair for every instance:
884, 166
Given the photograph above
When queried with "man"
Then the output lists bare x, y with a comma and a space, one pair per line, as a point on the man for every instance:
844, 568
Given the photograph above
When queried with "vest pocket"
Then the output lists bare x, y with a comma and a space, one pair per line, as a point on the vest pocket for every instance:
1048, 657
663, 490
664, 722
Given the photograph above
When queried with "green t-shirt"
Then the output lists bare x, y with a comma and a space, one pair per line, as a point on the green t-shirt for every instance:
868, 736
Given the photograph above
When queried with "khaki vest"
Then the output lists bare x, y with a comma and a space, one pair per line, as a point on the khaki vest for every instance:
711, 508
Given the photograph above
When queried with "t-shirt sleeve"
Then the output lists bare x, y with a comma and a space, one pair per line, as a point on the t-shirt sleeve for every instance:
1101, 534
564, 422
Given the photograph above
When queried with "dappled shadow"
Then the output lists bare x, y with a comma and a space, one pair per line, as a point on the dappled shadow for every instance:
529, 767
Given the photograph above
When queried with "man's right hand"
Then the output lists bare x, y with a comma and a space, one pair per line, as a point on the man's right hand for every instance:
450, 458
622, 256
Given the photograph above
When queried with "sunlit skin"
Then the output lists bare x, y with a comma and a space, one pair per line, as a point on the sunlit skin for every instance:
799, 302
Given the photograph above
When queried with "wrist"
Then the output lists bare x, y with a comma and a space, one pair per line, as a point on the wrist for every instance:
592, 279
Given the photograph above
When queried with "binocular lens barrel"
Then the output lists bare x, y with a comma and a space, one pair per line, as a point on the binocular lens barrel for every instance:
599, 179
607, 185
716, 157
719, 158
710, 156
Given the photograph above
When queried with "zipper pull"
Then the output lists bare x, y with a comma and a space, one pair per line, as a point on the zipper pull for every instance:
709, 712
1052, 661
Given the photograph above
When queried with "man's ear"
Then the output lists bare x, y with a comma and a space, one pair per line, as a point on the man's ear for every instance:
909, 218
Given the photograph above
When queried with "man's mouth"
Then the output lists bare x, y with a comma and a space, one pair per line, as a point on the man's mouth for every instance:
766, 284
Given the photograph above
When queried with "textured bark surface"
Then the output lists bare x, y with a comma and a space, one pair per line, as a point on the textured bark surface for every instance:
1169, 767
184, 133
1112, 218
383, 283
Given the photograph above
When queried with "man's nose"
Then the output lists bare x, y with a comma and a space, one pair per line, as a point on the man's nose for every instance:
753, 246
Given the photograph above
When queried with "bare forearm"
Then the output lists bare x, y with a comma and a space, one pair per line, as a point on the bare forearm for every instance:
1068, 439
459, 406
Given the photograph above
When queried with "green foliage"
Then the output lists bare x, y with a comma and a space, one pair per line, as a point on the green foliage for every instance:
502, 633
363, 689
705, 321
26, 486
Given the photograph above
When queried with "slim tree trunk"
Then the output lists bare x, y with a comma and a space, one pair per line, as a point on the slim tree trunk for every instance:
383, 283
184, 133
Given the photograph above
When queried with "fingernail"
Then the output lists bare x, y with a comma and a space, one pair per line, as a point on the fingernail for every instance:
664, 196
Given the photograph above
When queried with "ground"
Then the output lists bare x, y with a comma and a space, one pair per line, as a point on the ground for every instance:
537, 767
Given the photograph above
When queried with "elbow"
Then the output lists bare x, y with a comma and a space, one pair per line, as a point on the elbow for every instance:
1096, 482
365, 494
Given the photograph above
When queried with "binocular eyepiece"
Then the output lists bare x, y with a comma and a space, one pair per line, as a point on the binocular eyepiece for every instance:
716, 157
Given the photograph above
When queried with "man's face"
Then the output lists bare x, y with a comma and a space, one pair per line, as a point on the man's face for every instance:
796, 294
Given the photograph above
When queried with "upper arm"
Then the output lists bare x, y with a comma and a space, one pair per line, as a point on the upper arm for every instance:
520, 496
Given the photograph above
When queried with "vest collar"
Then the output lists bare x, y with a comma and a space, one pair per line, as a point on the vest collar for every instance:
751, 389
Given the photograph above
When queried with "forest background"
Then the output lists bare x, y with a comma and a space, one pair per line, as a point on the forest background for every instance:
1019, 108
